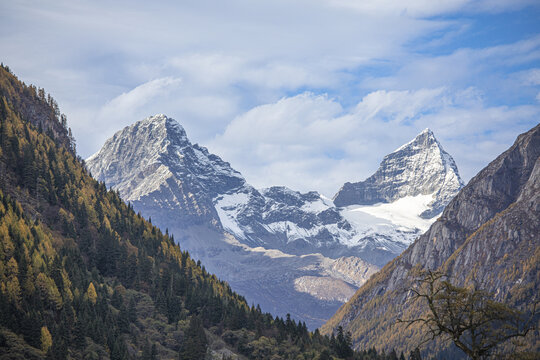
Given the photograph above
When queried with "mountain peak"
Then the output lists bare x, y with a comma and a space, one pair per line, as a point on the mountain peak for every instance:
419, 167
143, 144
155, 153
158, 123
425, 138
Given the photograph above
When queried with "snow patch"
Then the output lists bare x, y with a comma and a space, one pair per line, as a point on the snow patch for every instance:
317, 206
404, 212
228, 206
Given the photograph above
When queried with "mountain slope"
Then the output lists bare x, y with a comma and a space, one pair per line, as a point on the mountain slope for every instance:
488, 234
83, 276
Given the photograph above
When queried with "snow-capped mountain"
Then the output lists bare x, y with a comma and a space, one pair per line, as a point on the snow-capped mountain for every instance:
418, 168
376, 219
279, 247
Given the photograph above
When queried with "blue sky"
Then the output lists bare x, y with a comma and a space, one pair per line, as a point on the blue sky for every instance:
308, 94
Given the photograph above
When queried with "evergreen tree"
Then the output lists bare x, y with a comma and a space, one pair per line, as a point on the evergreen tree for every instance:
195, 342
343, 344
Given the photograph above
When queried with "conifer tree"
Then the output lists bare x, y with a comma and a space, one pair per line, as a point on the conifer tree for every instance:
195, 342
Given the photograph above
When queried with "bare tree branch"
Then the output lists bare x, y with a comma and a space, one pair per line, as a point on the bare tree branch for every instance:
470, 317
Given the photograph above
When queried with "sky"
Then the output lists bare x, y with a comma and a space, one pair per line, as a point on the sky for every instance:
303, 93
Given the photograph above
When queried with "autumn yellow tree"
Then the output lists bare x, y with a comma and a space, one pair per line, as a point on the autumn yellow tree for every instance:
91, 294
46, 339
12, 286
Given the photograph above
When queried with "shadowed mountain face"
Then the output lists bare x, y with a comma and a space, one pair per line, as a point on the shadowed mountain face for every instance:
290, 242
488, 234
420, 167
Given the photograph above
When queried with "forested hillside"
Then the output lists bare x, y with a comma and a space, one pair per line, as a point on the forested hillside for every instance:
83, 276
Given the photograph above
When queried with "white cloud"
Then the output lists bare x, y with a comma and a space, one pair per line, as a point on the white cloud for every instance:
284, 120
387, 65
127, 103
398, 106
489, 70
424, 8
530, 77
413, 8
310, 142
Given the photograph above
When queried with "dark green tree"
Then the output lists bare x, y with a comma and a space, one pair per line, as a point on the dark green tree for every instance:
343, 344
195, 342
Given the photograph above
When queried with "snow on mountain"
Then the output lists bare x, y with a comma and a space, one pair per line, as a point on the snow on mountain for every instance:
276, 238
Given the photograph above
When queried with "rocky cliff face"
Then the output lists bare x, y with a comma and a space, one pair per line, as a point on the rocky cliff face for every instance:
420, 167
294, 243
487, 234
36, 107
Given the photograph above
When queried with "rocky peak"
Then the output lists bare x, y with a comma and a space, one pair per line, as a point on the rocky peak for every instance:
420, 167
287, 196
137, 159
138, 145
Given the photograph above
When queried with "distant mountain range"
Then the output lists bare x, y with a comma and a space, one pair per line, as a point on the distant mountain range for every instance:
488, 235
279, 247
